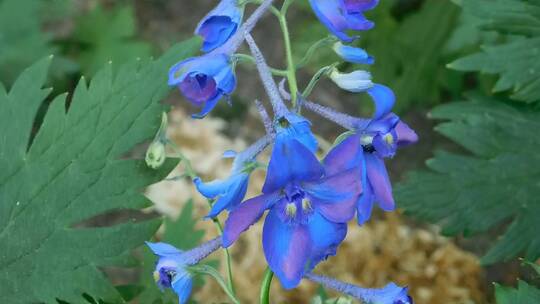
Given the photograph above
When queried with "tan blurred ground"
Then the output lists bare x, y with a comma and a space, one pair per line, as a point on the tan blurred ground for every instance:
386, 249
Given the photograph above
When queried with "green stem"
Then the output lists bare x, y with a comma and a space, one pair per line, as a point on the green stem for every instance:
324, 71
250, 59
311, 51
191, 174
265, 287
205, 269
228, 261
291, 68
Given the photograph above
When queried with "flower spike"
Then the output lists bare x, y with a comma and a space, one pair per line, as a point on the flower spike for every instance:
266, 76
390, 294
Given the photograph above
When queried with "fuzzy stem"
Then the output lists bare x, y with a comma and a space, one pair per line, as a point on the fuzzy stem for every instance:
342, 119
266, 77
195, 255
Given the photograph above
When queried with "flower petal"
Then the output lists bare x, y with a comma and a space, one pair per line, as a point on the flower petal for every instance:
380, 182
343, 156
290, 161
219, 24
163, 249
384, 100
232, 198
182, 286
364, 206
245, 215
352, 54
405, 135
325, 236
287, 249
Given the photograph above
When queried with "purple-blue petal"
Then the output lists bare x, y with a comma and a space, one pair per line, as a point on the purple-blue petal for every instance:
364, 205
345, 155
163, 249
287, 249
331, 15
380, 182
290, 161
245, 215
405, 135
384, 100
299, 128
182, 286
219, 24
325, 236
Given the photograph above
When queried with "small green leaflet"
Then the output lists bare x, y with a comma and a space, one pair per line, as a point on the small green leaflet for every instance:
73, 169
516, 60
183, 235
108, 35
498, 182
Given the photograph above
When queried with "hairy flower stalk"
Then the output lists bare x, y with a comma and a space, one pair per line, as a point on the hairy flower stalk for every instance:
390, 294
266, 77
342, 119
264, 117
195, 255
236, 41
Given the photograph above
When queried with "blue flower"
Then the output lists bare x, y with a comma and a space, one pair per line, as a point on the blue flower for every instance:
390, 294
308, 210
356, 82
339, 16
172, 266
220, 24
375, 139
204, 80
352, 54
171, 270
229, 192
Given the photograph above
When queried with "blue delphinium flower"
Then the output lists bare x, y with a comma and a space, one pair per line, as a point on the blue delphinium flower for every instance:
371, 141
308, 210
352, 54
231, 191
390, 294
204, 80
220, 24
339, 16
171, 268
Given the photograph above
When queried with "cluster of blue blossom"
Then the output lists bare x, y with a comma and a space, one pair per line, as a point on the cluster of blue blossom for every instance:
309, 202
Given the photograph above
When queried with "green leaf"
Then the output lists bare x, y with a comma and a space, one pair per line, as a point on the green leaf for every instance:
108, 36
498, 182
515, 60
524, 294
71, 169
182, 234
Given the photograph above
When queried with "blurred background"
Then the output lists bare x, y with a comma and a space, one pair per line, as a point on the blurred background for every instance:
412, 43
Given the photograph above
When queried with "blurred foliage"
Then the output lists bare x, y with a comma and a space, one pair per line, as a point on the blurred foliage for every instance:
22, 41
410, 46
72, 171
516, 57
498, 183
107, 35
182, 234
31, 29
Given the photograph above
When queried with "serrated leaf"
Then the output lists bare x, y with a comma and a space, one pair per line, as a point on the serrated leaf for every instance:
73, 170
516, 59
108, 35
524, 294
497, 182
180, 233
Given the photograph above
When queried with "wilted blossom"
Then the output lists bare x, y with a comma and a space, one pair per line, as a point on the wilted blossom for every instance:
340, 16
308, 210
204, 80
352, 54
172, 266
390, 294
220, 24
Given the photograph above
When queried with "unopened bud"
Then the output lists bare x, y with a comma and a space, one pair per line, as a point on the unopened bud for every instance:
155, 155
